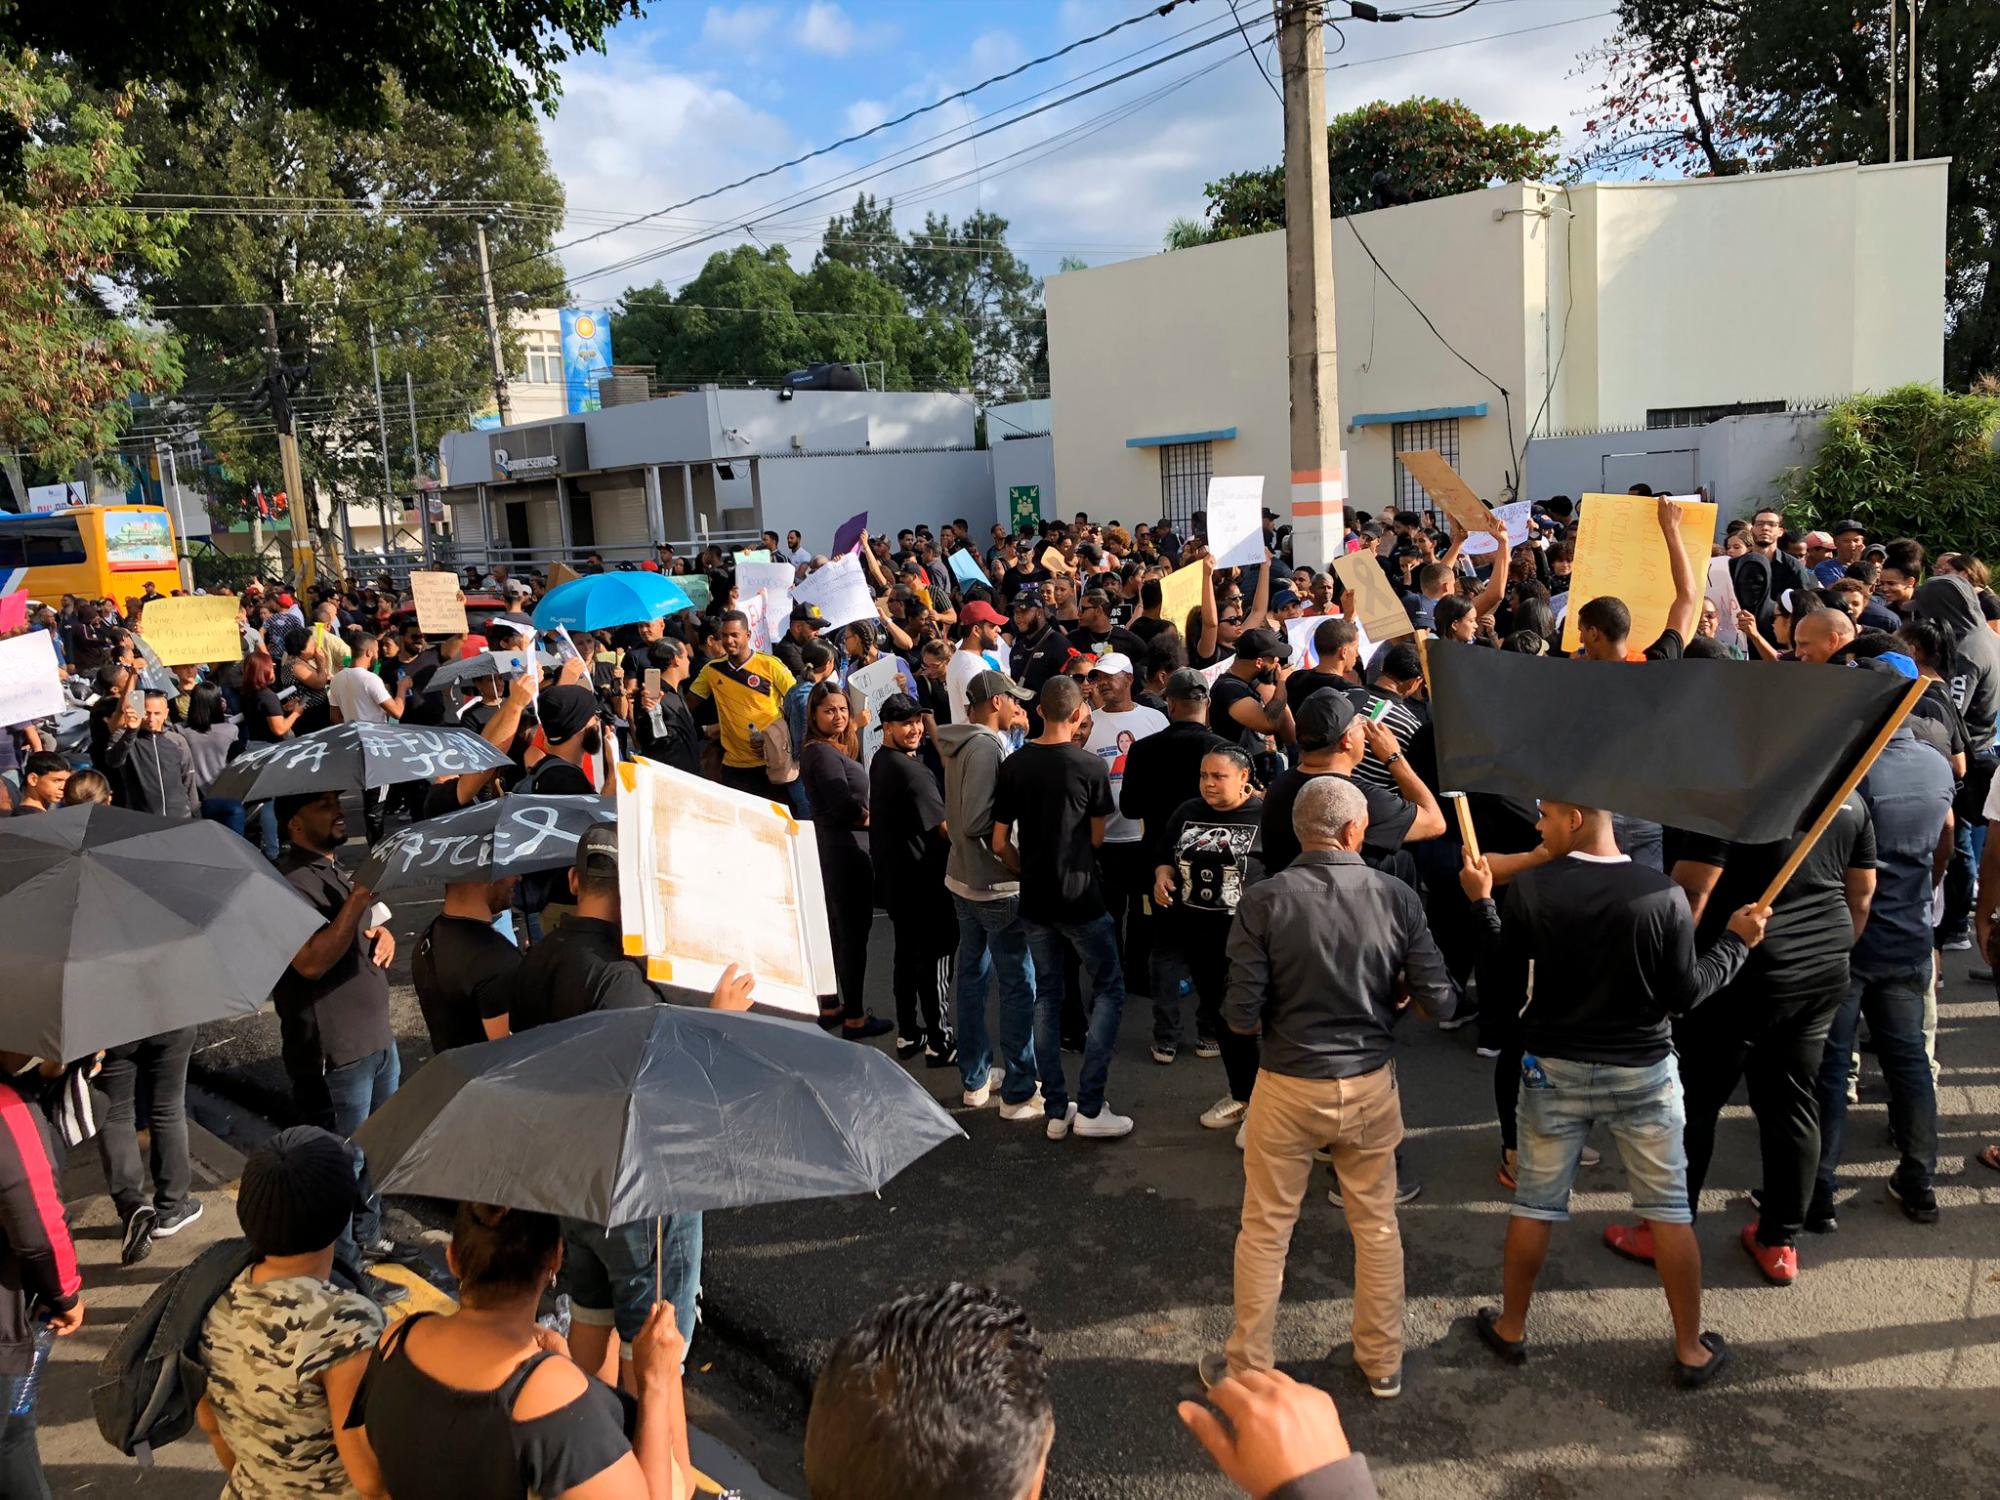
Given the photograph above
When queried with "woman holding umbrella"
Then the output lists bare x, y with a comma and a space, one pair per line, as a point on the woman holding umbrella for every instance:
830, 770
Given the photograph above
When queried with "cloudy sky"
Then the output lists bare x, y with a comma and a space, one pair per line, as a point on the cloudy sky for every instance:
696, 96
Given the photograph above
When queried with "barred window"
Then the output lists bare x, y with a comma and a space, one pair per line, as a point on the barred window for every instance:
1184, 474
1408, 437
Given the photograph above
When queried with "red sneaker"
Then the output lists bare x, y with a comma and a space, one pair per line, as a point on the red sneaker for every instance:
1633, 1241
1779, 1263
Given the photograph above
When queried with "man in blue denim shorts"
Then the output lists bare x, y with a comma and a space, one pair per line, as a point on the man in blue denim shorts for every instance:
1596, 953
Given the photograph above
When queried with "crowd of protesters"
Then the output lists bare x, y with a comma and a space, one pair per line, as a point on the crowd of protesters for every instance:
1068, 798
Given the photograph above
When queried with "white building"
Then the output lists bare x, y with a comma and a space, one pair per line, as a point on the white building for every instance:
1611, 304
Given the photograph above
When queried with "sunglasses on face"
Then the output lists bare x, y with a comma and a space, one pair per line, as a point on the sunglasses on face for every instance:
1231, 620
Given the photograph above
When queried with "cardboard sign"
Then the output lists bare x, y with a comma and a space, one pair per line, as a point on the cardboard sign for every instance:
966, 569
1236, 520
1515, 518
1377, 611
695, 586
1620, 552
561, 573
1052, 562
1180, 594
840, 589
869, 688
30, 684
192, 629
848, 535
440, 609
1442, 483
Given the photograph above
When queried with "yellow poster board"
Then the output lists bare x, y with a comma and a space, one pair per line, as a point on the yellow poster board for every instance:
194, 629
1180, 592
1620, 552
1442, 483
440, 605
1377, 610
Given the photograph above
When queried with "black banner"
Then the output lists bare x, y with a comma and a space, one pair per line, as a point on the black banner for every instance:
1740, 750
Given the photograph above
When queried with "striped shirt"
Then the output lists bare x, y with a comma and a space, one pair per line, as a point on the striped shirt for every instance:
1398, 720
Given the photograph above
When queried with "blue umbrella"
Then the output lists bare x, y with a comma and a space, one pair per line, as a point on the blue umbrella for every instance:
603, 600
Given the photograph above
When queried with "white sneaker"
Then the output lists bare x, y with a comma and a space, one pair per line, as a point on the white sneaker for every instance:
1104, 1125
977, 1098
1028, 1109
1222, 1114
1242, 1131
1058, 1125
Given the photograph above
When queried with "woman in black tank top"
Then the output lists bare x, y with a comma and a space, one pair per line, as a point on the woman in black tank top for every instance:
486, 1405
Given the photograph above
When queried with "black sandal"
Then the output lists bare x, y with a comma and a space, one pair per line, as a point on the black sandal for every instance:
1694, 1377
1511, 1351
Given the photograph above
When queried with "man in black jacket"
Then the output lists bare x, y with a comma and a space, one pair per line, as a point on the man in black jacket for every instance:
150, 764
1609, 947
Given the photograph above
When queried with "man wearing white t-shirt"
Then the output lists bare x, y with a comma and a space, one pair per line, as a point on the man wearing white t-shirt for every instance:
982, 624
359, 697
1117, 723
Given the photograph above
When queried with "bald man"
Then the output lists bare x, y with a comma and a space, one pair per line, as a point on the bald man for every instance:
1820, 634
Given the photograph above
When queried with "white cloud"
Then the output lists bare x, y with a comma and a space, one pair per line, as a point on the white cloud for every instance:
827, 30
744, 28
865, 114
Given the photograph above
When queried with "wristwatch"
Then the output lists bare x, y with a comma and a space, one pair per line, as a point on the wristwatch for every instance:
1393, 759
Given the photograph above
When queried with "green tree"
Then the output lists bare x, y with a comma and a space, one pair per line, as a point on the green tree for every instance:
1728, 87
749, 315
337, 228
1378, 156
68, 362
967, 273
866, 239
352, 62
1915, 461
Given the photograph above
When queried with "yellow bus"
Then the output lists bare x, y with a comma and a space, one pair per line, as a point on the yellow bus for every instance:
92, 551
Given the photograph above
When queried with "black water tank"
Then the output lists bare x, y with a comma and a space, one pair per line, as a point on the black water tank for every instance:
827, 377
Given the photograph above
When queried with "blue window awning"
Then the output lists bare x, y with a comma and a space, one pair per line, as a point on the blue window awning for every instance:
1214, 435
1427, 414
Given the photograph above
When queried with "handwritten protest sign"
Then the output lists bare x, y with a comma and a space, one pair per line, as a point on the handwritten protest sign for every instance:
1377, 610
695, 586
1514, 517
440, 608
192, 629
868, 688
1722, 593
1620, 552
1236, 519
677, 831
1442, 483
1305, 653
770, 583
840, 589
1180, 593
30, 685
754, 613
966, 569
756, 555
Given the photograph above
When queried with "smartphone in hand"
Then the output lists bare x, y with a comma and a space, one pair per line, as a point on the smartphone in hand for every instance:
653, 681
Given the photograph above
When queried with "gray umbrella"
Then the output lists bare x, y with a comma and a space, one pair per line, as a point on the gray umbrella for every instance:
513, 835
120, 925
354, 757
625, 1115
485, 664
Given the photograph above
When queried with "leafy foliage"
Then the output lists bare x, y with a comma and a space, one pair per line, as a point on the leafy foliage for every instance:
67, 364
356, 61
1378, 156
787, 321
1726, 87
341, 233
1915, 461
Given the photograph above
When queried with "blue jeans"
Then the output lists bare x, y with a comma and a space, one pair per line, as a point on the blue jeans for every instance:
1096, 945
354, 1091
992, 939
1894, 1005
227, 811
611, 1280
1645, 1112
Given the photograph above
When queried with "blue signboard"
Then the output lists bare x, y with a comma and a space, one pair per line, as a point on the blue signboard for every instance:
586, 354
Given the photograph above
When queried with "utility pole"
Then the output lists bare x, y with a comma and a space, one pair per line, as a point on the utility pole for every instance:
505, 406
1892, 80
170, 483
1319, 490
382, 433
1910, 114
288, 456
421, 495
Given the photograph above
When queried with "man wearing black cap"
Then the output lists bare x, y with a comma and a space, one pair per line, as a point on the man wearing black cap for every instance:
284, 1348
1040, 650
1332, 739
1249, 694
909, 845
333, 1006
568, 718
579, 968
1850, 542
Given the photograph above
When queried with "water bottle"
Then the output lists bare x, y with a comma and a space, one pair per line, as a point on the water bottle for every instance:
30, 1383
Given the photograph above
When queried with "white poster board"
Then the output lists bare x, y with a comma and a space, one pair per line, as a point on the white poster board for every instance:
1721, 591
840, 589
770, 584
30, 683
675, 832
440, 606
869, 688
1300, 633
1479, 543
1236, 520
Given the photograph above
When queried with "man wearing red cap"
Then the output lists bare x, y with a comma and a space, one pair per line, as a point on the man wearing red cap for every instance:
975, 654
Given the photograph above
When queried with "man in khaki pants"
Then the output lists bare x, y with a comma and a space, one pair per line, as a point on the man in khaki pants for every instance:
1321, 957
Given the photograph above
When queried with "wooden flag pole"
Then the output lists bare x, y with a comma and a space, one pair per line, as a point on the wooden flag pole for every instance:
1465, 833
1847, 785
1424, 659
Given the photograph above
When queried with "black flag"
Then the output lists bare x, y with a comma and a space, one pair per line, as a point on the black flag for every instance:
1737, 750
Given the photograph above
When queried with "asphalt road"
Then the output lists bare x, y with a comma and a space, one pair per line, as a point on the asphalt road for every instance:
1877, 1372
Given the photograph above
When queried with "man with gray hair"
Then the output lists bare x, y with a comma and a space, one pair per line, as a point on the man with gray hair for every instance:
1321, 958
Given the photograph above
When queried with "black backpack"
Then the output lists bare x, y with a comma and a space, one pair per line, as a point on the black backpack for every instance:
151, 1379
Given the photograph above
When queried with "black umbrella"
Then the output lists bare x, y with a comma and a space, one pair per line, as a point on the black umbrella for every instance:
624, 1115
512, 835
486, 664
120, 925
352, 758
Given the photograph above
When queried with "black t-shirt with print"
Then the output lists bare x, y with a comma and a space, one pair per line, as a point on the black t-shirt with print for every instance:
1215, 856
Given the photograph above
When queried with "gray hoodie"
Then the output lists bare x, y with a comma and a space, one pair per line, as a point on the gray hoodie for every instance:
972, 754
1974, 683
